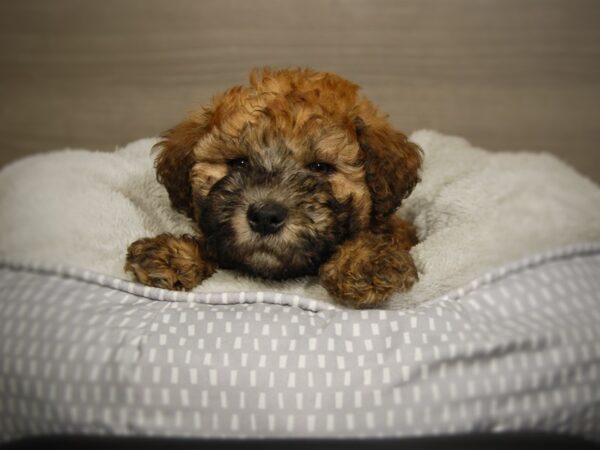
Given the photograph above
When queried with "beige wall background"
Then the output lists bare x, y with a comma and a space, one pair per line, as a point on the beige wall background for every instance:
505, 74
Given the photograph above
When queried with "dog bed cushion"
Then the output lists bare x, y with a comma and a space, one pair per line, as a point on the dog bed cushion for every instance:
474, 210
88, 354
84, 350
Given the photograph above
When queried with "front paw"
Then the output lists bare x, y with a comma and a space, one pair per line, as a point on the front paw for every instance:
364, 273
168, 262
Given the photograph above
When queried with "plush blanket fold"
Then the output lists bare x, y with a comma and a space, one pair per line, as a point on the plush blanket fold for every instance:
473, 210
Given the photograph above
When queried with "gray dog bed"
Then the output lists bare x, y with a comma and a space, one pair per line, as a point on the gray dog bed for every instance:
500, 334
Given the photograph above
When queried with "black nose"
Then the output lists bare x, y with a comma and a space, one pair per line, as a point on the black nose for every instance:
267, 218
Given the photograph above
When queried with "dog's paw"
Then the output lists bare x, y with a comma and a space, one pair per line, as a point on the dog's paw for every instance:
366, 271
168, 262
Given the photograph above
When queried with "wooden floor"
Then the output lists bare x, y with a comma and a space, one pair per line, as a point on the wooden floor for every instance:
505, 74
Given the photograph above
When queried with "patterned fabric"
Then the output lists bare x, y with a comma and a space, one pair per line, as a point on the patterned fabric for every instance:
518, 349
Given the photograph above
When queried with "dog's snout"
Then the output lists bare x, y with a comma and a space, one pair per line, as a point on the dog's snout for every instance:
267, 218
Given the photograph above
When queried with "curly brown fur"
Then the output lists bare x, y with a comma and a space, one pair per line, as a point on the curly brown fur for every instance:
367, 269
169, 262
294, 174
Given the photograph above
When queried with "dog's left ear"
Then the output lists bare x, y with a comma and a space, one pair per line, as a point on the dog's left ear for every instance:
392, 164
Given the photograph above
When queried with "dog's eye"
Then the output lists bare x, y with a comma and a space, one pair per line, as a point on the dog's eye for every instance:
321, 167
238, 163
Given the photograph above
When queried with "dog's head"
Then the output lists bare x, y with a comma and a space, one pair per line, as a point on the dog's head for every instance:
280, 172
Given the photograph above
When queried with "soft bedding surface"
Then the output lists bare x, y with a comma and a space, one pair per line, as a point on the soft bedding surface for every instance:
85, 353
84, 350
474, 210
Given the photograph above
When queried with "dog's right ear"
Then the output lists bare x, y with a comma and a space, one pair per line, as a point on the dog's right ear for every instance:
176, 158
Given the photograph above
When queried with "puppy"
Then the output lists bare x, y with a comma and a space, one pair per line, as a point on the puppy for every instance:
291, 176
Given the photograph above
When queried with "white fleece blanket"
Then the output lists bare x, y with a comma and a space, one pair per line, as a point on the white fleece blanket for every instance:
474, 210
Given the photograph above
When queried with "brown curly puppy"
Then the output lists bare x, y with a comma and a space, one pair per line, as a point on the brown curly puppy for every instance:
293, 175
